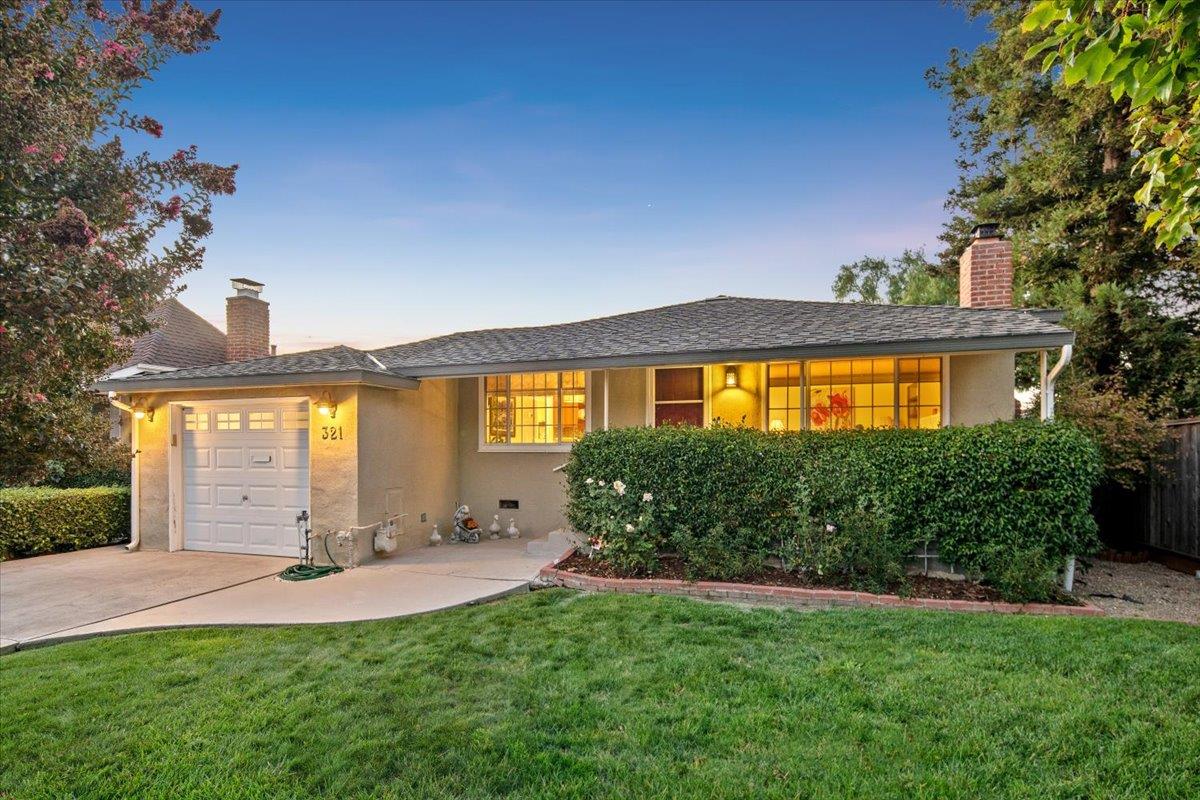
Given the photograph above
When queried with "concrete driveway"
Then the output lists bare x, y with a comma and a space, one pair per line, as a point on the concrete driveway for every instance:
46, 595
95, 592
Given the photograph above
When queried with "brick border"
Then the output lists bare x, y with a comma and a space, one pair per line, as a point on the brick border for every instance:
794, 596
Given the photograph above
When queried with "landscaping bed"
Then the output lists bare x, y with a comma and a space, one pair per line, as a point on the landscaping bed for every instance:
674, 568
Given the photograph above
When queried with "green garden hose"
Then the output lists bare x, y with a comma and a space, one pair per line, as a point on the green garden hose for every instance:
308, 572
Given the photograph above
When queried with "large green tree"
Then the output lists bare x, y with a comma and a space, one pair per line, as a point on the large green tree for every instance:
92, 236
1054, 164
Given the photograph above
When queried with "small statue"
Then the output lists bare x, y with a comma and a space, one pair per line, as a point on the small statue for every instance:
435, 538
513, 532
494, 528
465, 528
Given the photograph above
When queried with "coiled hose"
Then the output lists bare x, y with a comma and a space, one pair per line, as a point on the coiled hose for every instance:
308, 572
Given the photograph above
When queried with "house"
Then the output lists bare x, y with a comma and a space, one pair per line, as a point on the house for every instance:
230, 454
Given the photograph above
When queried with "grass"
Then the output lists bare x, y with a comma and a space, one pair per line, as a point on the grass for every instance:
556, 694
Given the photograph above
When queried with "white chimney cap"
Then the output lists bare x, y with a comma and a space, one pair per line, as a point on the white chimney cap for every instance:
246, 287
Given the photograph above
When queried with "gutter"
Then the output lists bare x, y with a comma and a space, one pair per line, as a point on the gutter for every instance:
135, 516
171, 384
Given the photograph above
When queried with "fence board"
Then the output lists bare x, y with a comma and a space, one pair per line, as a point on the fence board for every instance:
1170, 504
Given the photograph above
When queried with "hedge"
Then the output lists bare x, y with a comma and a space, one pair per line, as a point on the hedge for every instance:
37, 520
982, 494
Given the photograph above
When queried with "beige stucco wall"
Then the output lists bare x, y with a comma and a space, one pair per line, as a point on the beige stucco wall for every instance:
408, 458
981, 387
333, 464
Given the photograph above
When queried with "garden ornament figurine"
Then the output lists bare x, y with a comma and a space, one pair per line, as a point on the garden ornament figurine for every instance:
465, 529
494, 528
513, 532
435, 538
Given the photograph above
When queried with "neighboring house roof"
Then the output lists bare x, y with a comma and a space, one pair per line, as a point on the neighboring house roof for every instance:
718, 329
181, 338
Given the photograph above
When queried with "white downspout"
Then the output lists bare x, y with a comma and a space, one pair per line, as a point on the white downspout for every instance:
135, 527
1048, 381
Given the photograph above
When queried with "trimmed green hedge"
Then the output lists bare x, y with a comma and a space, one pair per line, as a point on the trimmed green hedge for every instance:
39, 519
984, 494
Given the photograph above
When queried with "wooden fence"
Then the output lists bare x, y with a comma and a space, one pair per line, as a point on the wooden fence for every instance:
1170, 505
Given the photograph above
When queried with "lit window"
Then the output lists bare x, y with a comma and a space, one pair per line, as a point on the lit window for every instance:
853, 393
229, 420
295, 419
785, 403
260, 420
195, 421
679, 396
920, 392
535, 408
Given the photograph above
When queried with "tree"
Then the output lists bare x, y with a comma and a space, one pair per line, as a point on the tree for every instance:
79, 215
1054, 165
1148, 54
911, 280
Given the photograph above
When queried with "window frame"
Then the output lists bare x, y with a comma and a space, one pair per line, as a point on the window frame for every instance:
484, 446
705, 391
804, 363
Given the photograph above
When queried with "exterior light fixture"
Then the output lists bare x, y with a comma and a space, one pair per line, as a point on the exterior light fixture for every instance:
731, 377
327, 408
141, 412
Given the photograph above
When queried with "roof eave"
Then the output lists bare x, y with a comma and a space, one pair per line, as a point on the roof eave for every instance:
916, 347
329, 378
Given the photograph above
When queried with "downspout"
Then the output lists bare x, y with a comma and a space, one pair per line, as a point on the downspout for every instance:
135, 527
1048, 382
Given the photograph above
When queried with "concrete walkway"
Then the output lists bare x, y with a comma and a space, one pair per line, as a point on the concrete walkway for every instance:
425, 580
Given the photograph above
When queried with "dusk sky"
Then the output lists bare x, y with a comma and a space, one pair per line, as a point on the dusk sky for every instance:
409, 170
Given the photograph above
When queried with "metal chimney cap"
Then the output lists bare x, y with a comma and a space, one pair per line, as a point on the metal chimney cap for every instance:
246, 287
986, 230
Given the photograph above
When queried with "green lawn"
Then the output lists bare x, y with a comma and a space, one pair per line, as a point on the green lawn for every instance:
557, 694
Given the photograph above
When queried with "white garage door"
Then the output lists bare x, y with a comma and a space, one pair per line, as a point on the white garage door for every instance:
245, 476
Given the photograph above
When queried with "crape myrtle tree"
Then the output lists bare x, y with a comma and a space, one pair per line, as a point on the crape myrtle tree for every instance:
1056, 166
92, 235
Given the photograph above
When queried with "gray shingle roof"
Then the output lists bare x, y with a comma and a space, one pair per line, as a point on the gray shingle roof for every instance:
720, 328
181, 338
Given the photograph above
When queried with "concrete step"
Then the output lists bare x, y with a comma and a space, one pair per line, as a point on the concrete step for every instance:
555, 543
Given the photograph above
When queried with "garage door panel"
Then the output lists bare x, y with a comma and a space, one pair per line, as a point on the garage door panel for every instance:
263, 462
200, 457
294, 458
229, 457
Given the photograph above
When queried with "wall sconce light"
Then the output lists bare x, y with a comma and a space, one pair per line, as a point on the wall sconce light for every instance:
141, 412
731, 377
326, 407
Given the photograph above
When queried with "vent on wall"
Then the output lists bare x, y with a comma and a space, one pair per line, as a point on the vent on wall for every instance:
510, 504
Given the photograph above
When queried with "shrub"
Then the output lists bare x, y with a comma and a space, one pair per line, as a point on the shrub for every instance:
37, 520
720, 554
981, 493
621, 527
1023, 575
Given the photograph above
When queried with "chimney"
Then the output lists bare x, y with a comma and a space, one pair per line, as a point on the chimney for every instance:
247, 322
985, 269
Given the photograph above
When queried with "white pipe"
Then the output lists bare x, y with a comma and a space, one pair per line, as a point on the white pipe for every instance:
605, 399
135, 516
1051, 378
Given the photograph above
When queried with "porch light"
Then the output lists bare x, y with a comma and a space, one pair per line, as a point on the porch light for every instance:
327, 408
731, 377
141, 412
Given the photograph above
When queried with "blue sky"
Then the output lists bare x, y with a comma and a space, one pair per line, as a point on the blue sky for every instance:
409, 170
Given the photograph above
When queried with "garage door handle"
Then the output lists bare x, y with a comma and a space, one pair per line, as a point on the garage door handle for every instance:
245, 497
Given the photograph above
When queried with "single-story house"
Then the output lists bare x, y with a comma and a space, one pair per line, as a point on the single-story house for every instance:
228, 455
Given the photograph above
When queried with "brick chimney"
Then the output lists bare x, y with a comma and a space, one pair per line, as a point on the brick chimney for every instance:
985, 270
247, 322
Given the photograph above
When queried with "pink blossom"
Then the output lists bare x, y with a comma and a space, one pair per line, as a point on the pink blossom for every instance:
48, 74
31, 149
58, 157
81, 61
38, 397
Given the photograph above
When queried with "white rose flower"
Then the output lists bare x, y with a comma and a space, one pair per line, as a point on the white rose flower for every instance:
628, 528
647, 497
831, 528
590, 481
600, 483
619, 486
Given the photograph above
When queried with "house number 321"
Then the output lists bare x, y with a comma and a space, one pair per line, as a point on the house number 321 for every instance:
331, 432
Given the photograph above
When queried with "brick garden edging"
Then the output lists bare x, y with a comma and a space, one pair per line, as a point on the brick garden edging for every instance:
794, 596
